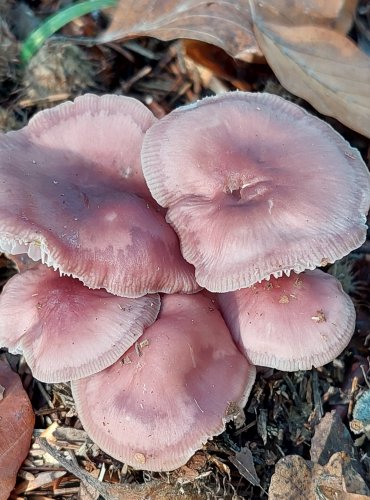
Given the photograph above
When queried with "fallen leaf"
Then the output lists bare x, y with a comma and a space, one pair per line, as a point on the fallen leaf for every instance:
243, 461
331, 436
218, 64
295, 478
291, 479
224, 23
319, 65
16, 427
212, 57
303, 41
336, 14
362, 25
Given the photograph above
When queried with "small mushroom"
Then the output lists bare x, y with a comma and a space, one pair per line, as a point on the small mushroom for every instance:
72, 194
290, 323
255, 186
176, 388
65, 330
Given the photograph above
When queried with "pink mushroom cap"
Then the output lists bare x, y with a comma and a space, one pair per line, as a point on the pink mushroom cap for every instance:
65, 330
255, 186
290, 323
72, 194
177, 388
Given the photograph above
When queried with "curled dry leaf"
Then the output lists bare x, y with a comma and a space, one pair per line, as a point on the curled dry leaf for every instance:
320, 65
226, 24
303, 41
218, 64
16, 427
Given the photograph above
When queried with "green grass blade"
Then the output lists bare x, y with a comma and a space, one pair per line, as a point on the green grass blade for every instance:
36, 39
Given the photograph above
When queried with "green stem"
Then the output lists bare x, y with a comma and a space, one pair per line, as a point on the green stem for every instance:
36, 39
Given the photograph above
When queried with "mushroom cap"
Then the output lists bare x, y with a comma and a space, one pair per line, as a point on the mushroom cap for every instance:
65, 330
290, 323
73, 195
171, 393
255, 186
100, 138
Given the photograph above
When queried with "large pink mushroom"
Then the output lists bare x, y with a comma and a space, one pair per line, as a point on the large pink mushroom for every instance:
255, 186
177, 387
65, 330
290, 323
72, 194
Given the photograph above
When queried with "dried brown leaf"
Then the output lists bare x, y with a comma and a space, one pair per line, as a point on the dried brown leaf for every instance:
16, 427
291, 480
211, 57
319, 65
296, 478
331, 436
243, 461
224, 23
336, 14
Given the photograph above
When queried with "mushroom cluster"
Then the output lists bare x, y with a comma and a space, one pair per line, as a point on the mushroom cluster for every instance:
128, 217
